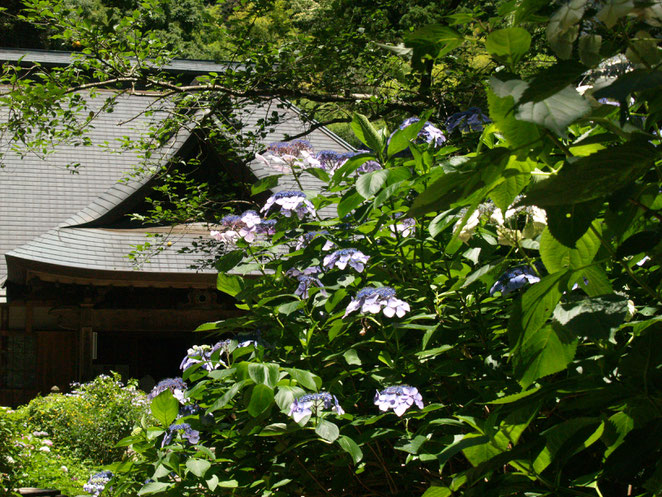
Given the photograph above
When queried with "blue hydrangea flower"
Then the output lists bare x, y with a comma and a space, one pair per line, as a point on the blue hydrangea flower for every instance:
429, 133
306, 238
97, 482
176, 385
294, 147
313, 403
201, 354
514, 279
185, 431
399, 398
290, 201
404, 227
341, 258
247, 226
283, 156
368, 167
471, 119
305, 282
373, 300
330, 160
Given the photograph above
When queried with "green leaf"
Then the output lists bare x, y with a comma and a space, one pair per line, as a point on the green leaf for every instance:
262, 397
351, 447
509, 44
509, 399
437, 492
568, 223
327, 430
319, 173
305, 378
366, 133
267, 374
290, 307
630, 82
349, 201
370, 183
352, 357
641, 242
479, 453
557, 438
229, 284
592, 317
556, 112
563, 27
165, 408
518, 133
589, 49
557, 256
154, 487
552, 80
266, 183
229, 260
400, 139
198, 466
593, 280
595, 176
613, 10
516, 176
228, 396
432, 41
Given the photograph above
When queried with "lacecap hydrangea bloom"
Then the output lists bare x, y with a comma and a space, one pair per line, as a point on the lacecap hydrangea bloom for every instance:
247, 226
176, 385
404, 227
399, 398
305, 239
343, 257
97, 482
290, 201
466, 121
184, 430
313, 403
200, 354
374, 300
283, 156
515, 278
429, 133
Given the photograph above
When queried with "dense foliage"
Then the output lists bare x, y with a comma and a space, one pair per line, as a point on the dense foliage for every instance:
89, 420
482, 315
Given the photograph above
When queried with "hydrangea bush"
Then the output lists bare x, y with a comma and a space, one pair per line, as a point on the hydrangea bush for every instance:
475, 321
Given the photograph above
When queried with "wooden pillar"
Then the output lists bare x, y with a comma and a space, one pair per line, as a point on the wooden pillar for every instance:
85, 343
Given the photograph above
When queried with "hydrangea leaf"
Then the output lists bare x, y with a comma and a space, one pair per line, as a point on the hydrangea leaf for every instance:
555, 112
515, 177
589, 49
154, 487
593, 280
229, 284
401, 138
370, 183
364, 131
262, 397
562, 29
479, 453
305, 378
509, 44
351, 447
568, 223
266, 183
224, 400
198, 466
286, 395
267, 374
552, 80
613, 11
633, 81
438, 492
165, 408
557, 256
542, 352
593, 317
349, 201
594, 176
518, 133
557, 438
229, 260
327, 430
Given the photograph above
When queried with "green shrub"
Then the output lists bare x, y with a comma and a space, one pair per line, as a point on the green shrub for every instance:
8, 451
89, 421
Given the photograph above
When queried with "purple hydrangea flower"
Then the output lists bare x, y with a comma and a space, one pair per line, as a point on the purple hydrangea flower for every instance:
469, 120
429, 133
97, 482
305, 282
283, 156
200, 354
514, 279
294, 147
369, 166
175, 385
185, 431
313, 403
341, 258
373, 300
330, 160
247, 226
306, 238
290, 201
399, 398
404, 228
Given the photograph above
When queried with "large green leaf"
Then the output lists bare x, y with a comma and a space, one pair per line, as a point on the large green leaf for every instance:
264, 373
561, 437
595, 176
432, 41
557, 256
613, 10
351, 447
556, 112
401, 138
365, 132
229, 260
370, 183
630, 82
508, 44
262, 397
154, 487
542, 352
568, 223
593, 317
327, 430
438, 492
266, 183
349, 201
305, 378
229, 284
165, 408
198, 466
520, 134
552, 80
563, 27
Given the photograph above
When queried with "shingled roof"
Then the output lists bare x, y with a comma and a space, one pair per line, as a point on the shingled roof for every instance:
50, 218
